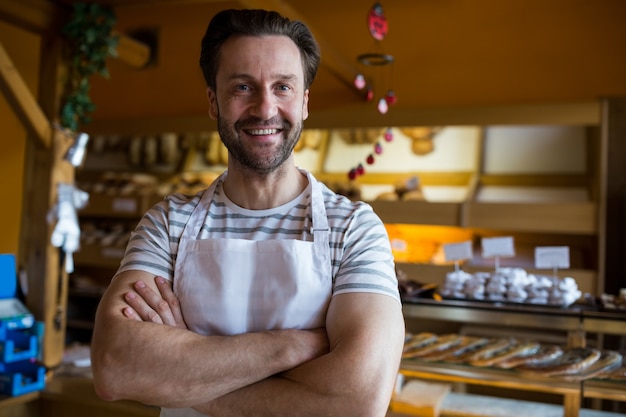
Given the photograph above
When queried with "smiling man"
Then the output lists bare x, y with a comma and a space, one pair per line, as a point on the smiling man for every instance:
266, 294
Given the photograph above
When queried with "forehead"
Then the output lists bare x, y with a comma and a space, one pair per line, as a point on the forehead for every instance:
255, 55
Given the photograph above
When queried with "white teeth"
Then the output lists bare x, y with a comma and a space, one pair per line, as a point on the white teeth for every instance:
262, 131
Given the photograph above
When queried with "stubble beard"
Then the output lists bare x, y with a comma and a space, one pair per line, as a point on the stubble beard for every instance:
248, 158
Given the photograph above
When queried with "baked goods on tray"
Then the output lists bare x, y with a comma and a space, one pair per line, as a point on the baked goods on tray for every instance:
438, 344
489, 349
616, 373
516, 349
572, 361
608, 360
545, 353
467, 344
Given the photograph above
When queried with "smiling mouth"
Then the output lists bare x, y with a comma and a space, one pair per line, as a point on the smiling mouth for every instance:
261, 132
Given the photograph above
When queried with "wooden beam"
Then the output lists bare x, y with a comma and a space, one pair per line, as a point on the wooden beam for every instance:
42, 16
22, 101
44, 169
42, 263
32, 15
132, 52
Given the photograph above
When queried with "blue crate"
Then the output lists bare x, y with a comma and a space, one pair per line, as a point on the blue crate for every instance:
18, 345
21, 378
8, 276
14, 315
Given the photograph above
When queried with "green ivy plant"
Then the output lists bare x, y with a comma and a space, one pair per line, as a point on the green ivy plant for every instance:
89, 37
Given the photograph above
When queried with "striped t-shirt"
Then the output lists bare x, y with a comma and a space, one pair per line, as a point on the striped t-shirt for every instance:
359, 245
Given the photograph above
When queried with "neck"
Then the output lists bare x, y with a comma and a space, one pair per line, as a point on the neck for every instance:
259, 192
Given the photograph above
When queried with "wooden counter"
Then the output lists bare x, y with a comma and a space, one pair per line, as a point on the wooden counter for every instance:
73, 396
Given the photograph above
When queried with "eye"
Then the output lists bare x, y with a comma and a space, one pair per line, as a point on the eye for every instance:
242, 87
283, 87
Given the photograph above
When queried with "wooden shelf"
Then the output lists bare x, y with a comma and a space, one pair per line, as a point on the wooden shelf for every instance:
118, 206
422, 212
98, 255
567, 217
559, 218
576, 322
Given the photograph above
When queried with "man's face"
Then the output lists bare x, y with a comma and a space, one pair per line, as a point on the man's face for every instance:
260, 102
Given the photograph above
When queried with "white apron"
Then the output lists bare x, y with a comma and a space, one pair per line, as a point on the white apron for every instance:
234, 286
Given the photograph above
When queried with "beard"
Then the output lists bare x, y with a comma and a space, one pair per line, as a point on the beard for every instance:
249, 158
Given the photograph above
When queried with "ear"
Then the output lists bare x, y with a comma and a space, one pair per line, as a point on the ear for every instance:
305, 105
213, 112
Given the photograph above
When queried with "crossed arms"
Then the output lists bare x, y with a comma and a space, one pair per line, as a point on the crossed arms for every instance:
143, 351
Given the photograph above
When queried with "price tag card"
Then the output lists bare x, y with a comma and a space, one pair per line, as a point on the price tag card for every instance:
498, 246
552, 257
458, 251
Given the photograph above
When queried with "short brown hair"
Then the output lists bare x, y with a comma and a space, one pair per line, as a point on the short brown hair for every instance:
248, 22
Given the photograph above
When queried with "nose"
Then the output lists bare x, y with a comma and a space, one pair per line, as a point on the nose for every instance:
264, 105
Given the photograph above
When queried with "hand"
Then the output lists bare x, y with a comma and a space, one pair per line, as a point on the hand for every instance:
313, 344
146, 305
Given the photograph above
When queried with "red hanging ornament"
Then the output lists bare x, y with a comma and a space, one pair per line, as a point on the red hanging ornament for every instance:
391, 98
388, 135
378, 148
360, 170
352, 174
377, 22
370, 159
369, 95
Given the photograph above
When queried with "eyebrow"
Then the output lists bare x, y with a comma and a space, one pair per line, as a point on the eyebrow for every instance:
282, 77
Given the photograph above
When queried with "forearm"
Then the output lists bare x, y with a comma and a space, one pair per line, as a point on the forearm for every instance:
355, 379
173, 367
308, 395
183, 368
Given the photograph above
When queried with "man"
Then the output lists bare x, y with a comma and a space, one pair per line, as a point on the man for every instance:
266, 294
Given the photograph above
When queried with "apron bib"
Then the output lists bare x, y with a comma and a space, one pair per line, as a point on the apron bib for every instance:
233, 286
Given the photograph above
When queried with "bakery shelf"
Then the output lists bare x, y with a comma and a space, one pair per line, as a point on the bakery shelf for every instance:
118, 206
571, 391
605, 322
570, 217
576, 321
605, 390
502, 314
417, 212
566, 217
98, 255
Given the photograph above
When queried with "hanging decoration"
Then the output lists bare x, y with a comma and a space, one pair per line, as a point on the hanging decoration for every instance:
90, 42
378, 27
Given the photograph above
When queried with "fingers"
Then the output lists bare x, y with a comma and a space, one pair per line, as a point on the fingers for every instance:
161, 307
139, 306
130, 313
165, 288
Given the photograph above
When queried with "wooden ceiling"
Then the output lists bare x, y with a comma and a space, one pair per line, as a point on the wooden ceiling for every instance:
448, 54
